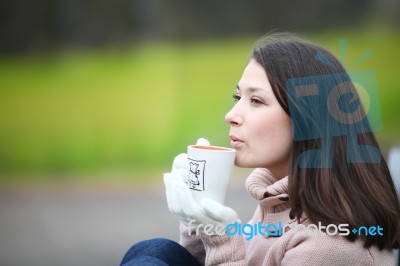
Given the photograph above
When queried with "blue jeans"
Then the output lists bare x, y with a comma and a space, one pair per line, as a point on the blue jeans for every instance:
158, 251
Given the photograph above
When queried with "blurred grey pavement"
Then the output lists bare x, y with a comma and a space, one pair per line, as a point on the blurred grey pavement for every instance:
70, 226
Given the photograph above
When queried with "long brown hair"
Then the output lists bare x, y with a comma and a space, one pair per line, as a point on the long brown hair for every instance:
343, 186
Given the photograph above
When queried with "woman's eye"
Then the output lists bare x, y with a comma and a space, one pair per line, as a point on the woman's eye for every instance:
236, 97
256, 101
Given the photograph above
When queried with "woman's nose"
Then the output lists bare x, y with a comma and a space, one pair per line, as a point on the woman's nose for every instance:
233, 117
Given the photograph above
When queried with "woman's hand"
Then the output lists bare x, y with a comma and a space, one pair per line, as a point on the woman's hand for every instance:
210, 217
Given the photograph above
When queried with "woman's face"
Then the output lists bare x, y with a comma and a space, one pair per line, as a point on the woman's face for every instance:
260, 129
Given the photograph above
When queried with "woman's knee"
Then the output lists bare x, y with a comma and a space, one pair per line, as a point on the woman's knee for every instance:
151, 245
157, 247
144, 261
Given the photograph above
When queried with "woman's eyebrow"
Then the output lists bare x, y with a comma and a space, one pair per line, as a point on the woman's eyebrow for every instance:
252, 89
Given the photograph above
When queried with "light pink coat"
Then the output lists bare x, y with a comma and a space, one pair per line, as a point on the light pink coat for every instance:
291, 248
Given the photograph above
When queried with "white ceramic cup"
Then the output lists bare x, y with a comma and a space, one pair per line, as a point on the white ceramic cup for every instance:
210, 169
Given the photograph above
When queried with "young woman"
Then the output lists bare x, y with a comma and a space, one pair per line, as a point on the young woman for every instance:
298, 120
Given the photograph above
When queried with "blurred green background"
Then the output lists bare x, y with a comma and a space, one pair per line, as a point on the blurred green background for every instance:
90, 98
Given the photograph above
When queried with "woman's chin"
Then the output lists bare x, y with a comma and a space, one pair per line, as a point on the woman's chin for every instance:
240, 163
237, 163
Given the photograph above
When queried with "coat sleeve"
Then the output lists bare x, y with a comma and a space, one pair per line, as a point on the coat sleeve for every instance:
192, 243
214, 250
224, 250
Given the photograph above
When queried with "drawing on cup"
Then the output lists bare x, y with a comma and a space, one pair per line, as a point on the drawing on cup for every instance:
196, 174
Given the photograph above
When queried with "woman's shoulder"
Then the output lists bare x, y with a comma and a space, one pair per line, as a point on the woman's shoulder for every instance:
310, 247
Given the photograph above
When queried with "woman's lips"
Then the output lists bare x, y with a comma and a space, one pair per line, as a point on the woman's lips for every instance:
235, 142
